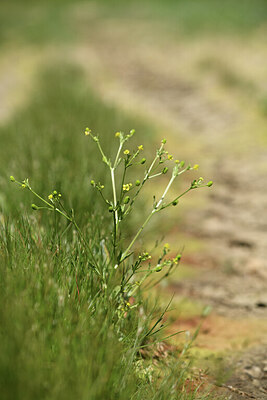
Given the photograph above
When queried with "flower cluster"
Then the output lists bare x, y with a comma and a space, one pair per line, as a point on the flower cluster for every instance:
54, 196
126, 187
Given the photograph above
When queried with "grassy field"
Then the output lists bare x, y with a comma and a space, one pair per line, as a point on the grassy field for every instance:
63, 333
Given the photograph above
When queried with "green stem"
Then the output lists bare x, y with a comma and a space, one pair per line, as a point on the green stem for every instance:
146, 177
149, 217
122, 182
177, 198
114, 195
102, 153
117, 156
64, 215
165, 192
40, 198
136, 236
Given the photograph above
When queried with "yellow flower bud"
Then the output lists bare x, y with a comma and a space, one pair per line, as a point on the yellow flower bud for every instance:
87, 131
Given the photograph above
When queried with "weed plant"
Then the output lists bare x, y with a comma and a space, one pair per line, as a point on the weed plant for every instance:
83, 321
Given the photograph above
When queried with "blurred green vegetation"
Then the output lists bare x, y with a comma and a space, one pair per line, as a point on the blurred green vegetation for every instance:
28, 21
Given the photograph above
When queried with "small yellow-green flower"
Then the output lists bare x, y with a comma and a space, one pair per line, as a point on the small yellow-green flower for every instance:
166, 246
117, 134
87, 131
141, 147
126, 152
196, 166
127, 187
50, 197
170, 157
177, 161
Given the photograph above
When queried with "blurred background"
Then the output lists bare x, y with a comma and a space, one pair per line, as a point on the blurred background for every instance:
192, 71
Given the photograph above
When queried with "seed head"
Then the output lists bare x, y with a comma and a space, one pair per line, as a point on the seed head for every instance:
143, 161
12, 179
137, 182
210, 183
34, 207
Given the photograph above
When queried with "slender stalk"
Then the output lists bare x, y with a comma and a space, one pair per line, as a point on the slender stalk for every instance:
117, 156
114, 236
101, 151
122, 182
146, 177
176, 198
64, 215
137, 234
40, 198
165, 192
114, 195
150, 215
